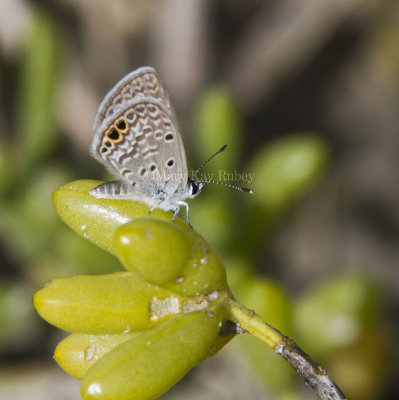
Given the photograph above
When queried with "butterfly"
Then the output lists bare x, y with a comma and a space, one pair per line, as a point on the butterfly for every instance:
136, 136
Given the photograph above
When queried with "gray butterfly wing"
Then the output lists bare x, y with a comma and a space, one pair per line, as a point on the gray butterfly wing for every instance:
140, 142
142, 82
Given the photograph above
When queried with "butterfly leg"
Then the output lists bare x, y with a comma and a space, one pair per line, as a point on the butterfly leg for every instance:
177, 209
150, 211
183, 203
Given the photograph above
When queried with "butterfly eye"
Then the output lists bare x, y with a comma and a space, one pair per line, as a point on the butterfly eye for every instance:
194, 188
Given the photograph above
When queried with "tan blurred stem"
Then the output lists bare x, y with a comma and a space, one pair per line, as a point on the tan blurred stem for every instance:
313, 374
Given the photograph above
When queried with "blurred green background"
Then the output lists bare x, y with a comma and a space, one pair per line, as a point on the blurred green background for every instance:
306, 96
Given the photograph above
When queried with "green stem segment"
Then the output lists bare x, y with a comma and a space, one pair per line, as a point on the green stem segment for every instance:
313, 374
250, 322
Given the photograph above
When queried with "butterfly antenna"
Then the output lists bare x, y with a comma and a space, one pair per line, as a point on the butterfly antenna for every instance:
207, 161
242, 189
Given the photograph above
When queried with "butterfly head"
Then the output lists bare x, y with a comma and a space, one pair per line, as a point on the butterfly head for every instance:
194, 187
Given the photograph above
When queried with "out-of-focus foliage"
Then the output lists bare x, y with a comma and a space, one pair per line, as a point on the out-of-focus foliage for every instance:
16, 314
340, 322
217, 123
328, 320
269, 299
37, 96
286, 169
33, 241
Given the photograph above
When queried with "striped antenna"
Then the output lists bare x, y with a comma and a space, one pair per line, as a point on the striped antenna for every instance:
207, 161
242, 189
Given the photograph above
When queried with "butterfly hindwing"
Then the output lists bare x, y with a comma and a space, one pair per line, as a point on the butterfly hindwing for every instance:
141, 143
143, 82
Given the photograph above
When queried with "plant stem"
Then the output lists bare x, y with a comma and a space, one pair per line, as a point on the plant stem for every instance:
251, 323
313, 374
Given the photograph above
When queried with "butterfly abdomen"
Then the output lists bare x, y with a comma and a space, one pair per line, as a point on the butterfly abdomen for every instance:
114, 189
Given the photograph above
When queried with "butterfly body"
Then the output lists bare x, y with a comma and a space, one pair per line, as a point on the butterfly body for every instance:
160, 199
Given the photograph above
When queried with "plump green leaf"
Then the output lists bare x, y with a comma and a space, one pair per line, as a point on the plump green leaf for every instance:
113, 303
78, 352
158, 252
146, 366
167, 255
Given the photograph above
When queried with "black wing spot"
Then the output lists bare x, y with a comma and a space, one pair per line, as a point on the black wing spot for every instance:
142, 171
170, 162
153, 167
169, 137
113, 134
121, 124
